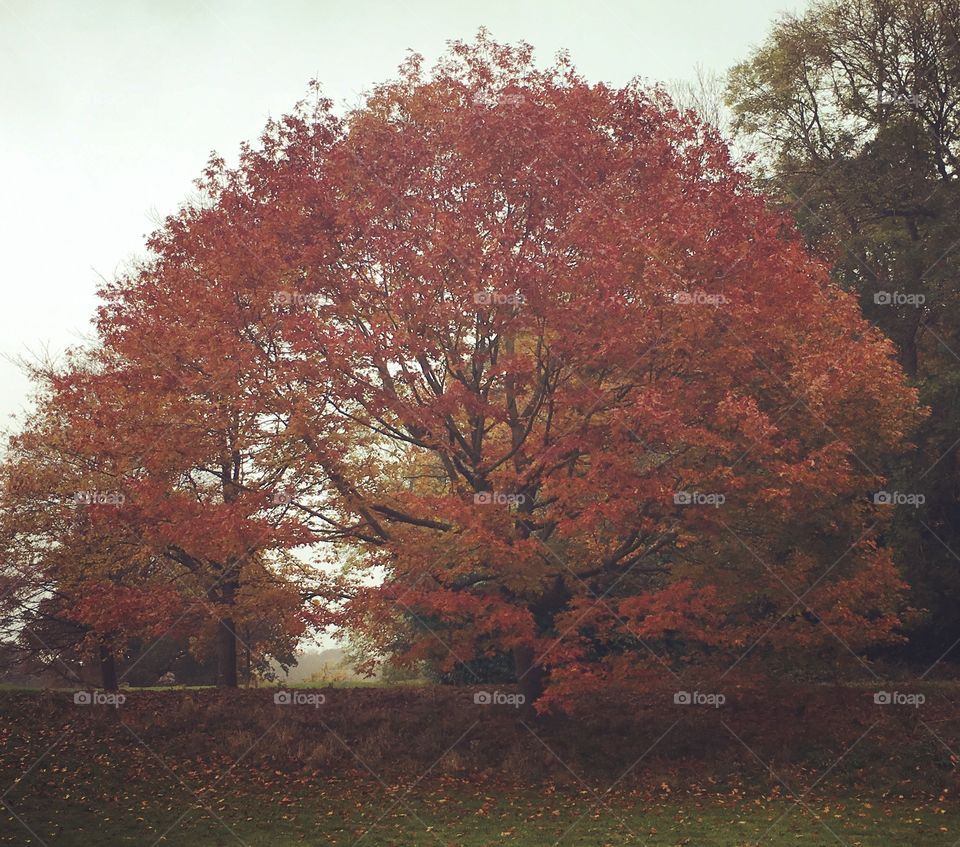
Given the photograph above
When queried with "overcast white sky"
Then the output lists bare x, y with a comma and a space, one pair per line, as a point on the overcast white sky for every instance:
109, 110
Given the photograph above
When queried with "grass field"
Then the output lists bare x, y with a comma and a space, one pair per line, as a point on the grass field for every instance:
412, 766
449, 814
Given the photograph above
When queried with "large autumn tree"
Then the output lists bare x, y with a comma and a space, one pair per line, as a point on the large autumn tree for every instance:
535, 354
854, 109
613, 405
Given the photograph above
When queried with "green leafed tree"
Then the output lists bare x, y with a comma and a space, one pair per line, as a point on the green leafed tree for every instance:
854, 108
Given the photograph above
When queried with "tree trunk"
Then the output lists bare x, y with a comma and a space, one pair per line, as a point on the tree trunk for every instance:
108, 669
529, 678
226, 653
908, 354
247, 658
230, 467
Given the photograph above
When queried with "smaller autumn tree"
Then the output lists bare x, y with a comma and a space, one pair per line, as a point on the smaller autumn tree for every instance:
122, 540
86, 587
217, 540
193, 389
182, 409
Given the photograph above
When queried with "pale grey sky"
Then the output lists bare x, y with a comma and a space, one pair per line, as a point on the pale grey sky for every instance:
109, 110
